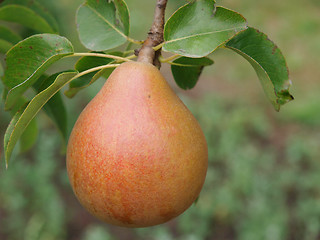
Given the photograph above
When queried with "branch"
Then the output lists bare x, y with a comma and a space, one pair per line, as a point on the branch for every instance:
155, 36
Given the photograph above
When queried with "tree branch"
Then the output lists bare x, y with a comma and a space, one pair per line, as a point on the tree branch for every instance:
155, 36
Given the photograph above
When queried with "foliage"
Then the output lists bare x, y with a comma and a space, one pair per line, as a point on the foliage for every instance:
98, 25
193, 32
280, 195
186, 71
272, 70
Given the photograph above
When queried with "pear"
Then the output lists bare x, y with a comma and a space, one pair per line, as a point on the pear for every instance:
136, 156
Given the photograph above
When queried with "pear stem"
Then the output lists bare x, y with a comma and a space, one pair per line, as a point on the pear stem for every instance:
155, 36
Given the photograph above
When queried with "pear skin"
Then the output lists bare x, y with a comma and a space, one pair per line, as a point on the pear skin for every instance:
136, 156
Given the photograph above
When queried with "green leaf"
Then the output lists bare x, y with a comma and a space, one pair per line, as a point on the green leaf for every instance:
28, 13
29, 136
8, 35
38, 8
22, 118
29, 59
1, 70
199, 28
85, 63
5, 46
268, 62
7, 136
55, 107
123, 14
186, 71
3, 91
103, 25
7, 39
22, 101
1, 85
105, 73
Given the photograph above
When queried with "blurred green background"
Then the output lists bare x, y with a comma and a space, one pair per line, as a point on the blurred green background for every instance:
264, 167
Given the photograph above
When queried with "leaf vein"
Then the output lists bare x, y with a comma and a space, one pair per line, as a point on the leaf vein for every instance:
200, 34
106, 21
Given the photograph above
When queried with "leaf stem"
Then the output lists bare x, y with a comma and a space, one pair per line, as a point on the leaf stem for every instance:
125, 53
131, 56
168, 59
99, 55
139, 42
94, 69
181, 64
158, 47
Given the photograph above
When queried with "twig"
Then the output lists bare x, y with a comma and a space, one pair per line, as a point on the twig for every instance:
155, 36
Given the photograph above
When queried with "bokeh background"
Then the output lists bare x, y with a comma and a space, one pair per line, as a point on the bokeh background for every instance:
264, 167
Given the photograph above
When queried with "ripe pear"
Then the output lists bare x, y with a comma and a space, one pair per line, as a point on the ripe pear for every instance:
136, 156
